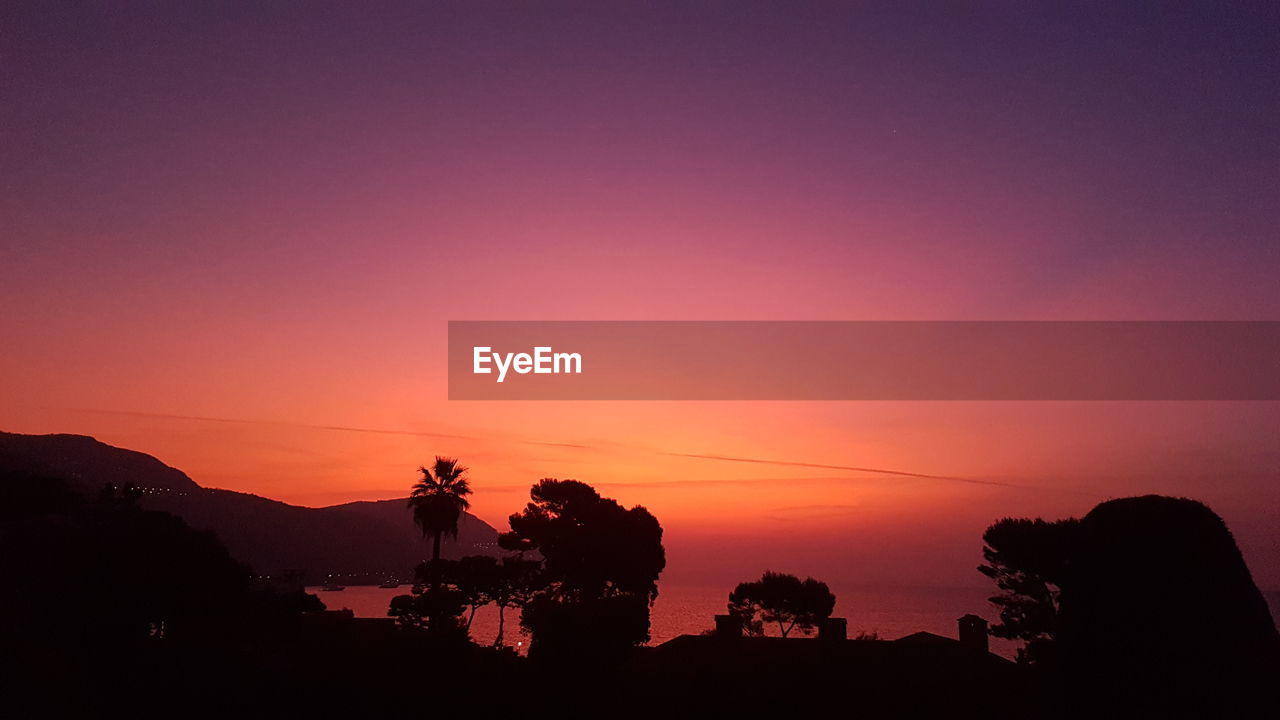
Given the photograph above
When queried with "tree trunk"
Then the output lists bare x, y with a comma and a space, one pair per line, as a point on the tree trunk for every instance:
435, 561
502, 621
472, 617
434, 622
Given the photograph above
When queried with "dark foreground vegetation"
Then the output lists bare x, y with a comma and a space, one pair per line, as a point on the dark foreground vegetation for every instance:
1144, 604
1142, 608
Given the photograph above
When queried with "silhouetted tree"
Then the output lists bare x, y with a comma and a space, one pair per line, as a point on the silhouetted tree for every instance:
476, 578
435, 605
601, 563
518, 579
1028, 560
439, 499
782, 599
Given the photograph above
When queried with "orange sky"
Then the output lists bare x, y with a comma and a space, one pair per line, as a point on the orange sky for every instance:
1051, 459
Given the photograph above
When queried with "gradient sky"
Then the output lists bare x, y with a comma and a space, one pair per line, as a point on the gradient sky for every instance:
231, 236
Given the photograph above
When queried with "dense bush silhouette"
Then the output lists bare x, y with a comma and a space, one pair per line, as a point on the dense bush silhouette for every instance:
436, 605
1161, 616
1154, 611
102, 597
107, 572
27, 495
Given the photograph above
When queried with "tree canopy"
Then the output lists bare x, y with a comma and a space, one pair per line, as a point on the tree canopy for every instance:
1028, 560
601, 563
783, 599
438, 500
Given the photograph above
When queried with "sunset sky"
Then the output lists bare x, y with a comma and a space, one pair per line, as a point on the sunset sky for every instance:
232, 237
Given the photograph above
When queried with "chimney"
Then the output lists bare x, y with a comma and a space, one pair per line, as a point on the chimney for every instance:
728, 626
833, 630
973, 632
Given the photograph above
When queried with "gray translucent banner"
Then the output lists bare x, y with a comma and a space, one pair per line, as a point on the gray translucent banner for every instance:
589, 360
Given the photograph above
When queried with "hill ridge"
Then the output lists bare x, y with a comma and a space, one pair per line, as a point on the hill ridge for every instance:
358, 540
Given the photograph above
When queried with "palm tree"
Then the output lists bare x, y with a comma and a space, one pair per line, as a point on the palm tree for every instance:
438, 500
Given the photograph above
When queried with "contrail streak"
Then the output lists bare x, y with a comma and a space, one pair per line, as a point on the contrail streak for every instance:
852, 468
418, 433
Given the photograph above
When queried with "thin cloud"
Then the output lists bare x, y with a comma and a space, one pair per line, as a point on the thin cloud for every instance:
803, 509
276, 423
694, 482
312, 426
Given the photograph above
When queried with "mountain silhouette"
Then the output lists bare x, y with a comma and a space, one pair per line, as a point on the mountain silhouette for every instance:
361, 541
